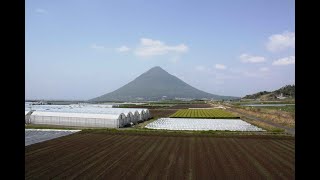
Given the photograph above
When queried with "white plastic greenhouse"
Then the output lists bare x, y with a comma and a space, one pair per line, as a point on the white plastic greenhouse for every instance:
78, 119
95, 109
27, 116
88, 113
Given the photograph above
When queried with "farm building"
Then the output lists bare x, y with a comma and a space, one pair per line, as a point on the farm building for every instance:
79, 119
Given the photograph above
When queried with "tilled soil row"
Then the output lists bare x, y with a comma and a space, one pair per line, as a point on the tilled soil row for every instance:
121, 156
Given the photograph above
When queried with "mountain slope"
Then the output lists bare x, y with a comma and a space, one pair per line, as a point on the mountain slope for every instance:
153, 85
286, 91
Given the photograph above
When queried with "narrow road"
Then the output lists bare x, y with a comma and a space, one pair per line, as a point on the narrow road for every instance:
287, 129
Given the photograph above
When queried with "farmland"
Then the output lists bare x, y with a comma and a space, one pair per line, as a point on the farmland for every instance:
115, 155
290, 109
167, 105
202, 124
204, 113
282, 115
33, 136
162, 112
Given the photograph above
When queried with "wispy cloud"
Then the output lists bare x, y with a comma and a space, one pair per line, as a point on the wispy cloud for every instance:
251, 74
200, 68
264, 69
284, 61
247, 58
95, 46
149, 47
174, 59
123, 49
220, 66
261, 73
280, 42
41, 11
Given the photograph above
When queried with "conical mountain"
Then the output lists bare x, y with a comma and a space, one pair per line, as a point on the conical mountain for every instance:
156, 84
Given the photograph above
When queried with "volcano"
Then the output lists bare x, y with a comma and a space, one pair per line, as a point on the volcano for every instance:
157, 84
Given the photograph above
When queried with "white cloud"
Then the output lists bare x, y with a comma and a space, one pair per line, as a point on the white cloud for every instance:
200, 68
250, 74
279, 42
264, 69
284, 61
149, 47
262, 73
246, 58
174, 59
41, 11
123, 49
223, 76
220, 66
95, 46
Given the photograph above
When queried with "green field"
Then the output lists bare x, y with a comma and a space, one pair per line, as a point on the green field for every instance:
204, 113
289, 108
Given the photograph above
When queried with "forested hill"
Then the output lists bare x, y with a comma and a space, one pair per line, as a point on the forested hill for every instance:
287, 91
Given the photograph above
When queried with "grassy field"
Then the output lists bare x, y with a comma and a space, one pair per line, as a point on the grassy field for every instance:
204, 113
263, 102
289, 108
282, 115
124, 155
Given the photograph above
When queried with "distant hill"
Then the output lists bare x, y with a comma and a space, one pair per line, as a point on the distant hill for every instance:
157, 84
287, 91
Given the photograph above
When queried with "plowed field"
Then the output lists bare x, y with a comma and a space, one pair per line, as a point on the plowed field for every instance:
134, 156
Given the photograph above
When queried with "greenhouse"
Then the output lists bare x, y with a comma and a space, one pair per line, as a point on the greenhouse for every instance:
84, 115
79, 119
27, 116
144, 114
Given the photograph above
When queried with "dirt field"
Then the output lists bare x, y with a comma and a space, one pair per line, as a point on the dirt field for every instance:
156, 156
186, 106
157, 113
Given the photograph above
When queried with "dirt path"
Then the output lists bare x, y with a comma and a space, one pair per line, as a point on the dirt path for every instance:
287, 129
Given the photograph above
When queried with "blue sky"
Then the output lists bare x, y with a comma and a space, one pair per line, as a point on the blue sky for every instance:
80, 49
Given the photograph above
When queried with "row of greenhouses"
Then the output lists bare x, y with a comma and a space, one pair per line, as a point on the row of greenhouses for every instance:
84, 116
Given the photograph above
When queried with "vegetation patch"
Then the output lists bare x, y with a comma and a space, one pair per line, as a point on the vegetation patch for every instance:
204, 114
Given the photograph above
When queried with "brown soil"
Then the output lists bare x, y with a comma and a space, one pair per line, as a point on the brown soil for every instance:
131, 156
158, 113
187, 106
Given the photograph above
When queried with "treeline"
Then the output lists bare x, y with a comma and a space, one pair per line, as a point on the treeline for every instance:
256, 95
288, 90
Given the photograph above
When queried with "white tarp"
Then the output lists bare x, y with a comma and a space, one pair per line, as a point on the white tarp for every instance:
202, 124
33, 136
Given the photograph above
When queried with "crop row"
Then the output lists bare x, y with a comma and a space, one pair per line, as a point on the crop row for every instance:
204, 113
129, 156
